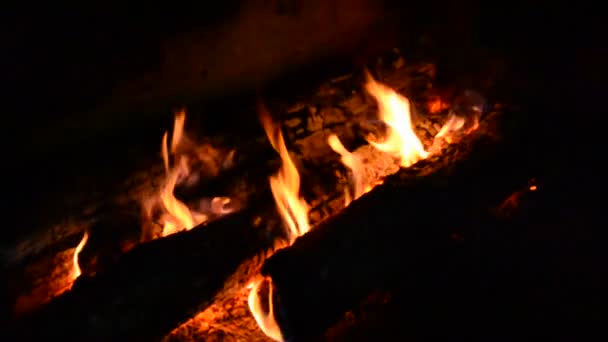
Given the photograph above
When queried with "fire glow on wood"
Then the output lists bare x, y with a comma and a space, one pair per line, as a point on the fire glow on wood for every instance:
177, 215
165, 214
400, 142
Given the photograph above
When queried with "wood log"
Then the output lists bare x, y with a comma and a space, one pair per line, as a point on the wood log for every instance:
395, 231
157, 285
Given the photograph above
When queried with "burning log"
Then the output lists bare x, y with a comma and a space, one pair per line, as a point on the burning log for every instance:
157, 285
385, 234
116, 303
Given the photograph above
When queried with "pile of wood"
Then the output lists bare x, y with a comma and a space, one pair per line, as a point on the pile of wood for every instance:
158, 285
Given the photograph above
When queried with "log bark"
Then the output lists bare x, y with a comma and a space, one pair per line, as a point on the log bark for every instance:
157, 285
395, 231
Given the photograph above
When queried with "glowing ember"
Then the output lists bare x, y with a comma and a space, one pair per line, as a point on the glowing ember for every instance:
436, 105
394, 109
401, 142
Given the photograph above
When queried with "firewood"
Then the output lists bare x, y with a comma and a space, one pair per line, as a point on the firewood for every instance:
386, 233
157, 285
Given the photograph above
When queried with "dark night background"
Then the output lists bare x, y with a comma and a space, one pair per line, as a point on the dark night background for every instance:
63, 62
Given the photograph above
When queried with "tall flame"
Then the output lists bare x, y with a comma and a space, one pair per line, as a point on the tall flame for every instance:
351, 161
400, 142
179, 217
76, 271
285, 186
394, 109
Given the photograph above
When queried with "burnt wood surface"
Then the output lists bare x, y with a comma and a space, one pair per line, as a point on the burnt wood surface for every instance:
533, 270
399, 230
339, 107
156, 286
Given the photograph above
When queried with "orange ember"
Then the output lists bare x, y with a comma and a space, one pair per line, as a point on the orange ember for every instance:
400, 142
436, 105
285, 185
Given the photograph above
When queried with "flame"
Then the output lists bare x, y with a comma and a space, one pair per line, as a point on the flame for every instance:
76, 271
266, 321
179, 157
401, 142
218, 205
178, 216
352, 162
452, 125
394, 109
285, 186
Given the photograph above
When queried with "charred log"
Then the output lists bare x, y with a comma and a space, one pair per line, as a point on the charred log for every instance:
157, 285
388, 233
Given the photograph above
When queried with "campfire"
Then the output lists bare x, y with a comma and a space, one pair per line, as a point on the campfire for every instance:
220, 252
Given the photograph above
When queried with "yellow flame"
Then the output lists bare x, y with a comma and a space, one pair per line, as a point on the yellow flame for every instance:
179, 217
451, 126
352, 162
76, 271
266, 321
394, 109
285, 186
218, 205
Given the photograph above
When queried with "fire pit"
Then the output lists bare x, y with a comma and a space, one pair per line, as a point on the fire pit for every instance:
361, 204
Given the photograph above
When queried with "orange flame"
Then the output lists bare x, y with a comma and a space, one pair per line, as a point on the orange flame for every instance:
394, 109
352, 162
401, 142
452, 125
179, 217
76, 272
266, 321
285, 186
